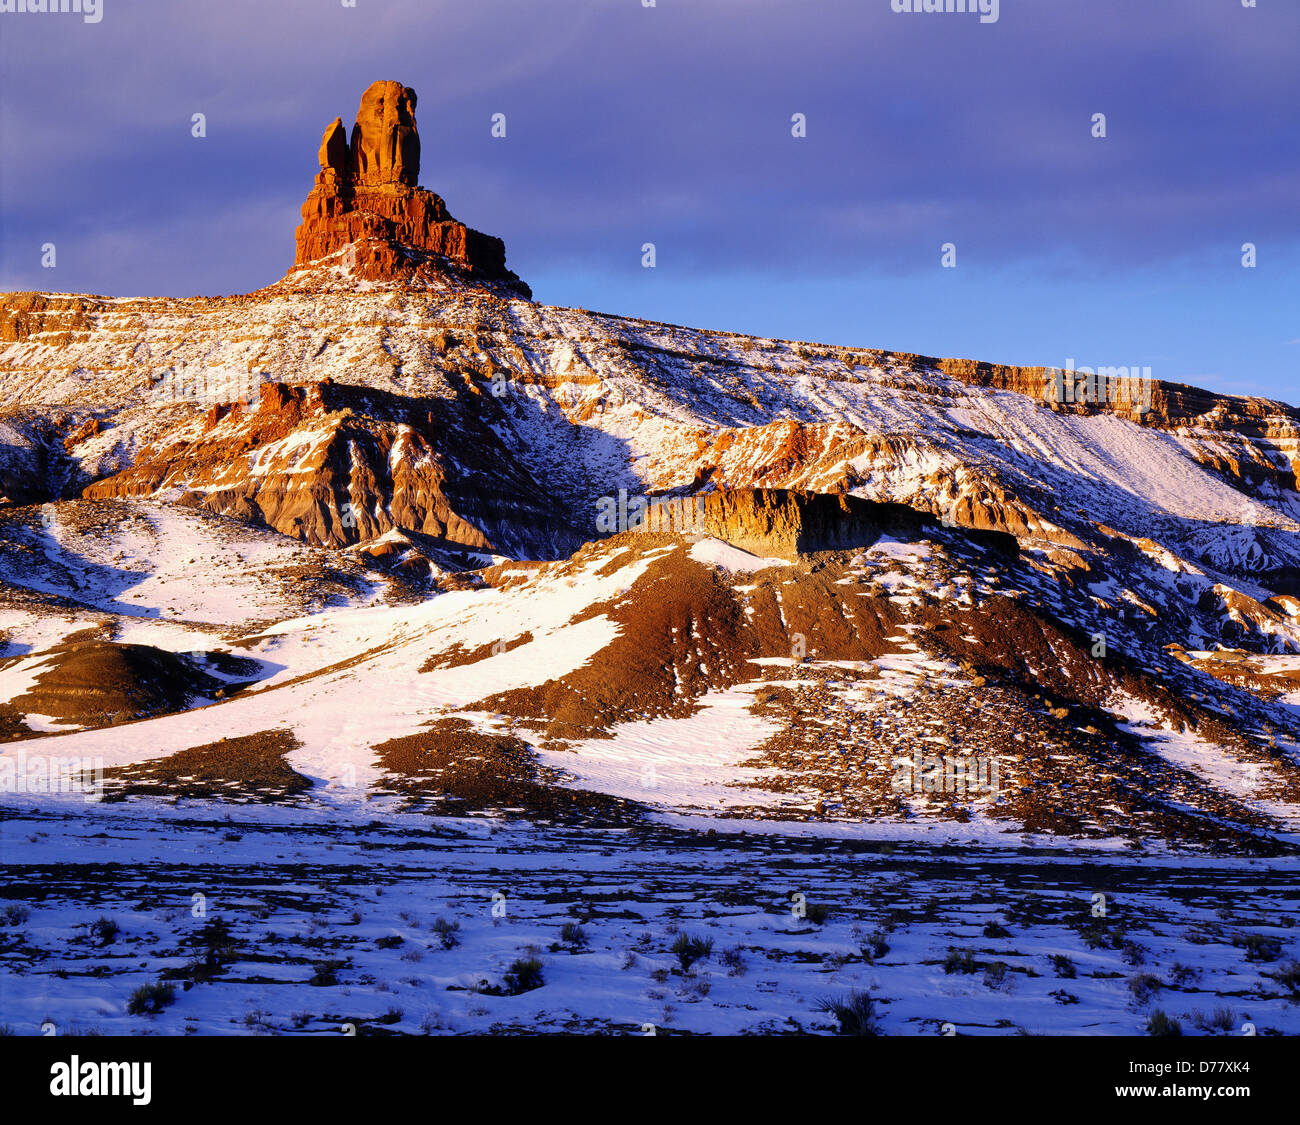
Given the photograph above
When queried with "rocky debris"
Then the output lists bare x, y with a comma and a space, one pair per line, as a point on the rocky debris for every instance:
572, 385
776, 522
89, 428
453, 769
249, 767
1170, 404
843, 740
367, 205
864, 661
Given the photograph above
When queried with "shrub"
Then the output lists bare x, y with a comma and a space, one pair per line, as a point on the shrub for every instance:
524, 975
696, 988
1223, 1019
215, 937
449, 932
874, 946
325, 973
1063, 966
217, 948
1182, 974
1144, 986
1095, 936
995, 975
14, 915
691, 949
996, 930
150, 999
1258, 947
571, 933
199, 970
1162, 1024
1133, 953
733, 960
105, 930
855, 1013
1288, 976
959, 961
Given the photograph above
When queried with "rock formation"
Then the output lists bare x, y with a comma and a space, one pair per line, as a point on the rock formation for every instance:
336, 465
367, 202
788, 523
385, 146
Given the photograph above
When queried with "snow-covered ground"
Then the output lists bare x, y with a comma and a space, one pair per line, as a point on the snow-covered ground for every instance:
323, 913
274, 921
685, 764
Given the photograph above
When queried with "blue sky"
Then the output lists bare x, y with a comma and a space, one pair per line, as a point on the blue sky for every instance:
672, 125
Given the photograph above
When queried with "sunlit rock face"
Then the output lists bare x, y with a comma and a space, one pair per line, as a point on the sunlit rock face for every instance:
367, 205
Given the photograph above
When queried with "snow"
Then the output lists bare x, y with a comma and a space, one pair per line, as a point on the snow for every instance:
897, 550
714, 552
366, 893
165, 562
680, 764
339, 713
600, 403
46, 724
1230, 772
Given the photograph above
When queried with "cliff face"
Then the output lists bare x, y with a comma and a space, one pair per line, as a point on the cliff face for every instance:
367, 204
586, 405
1015, 570
786, 524
406, 385
333, 466
1131, 395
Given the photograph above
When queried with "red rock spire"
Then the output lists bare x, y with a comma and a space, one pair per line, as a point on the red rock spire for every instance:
367, 201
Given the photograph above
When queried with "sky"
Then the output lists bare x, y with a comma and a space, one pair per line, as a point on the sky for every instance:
674, 124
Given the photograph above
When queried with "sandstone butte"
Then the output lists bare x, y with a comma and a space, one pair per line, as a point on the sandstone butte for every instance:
368, 205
